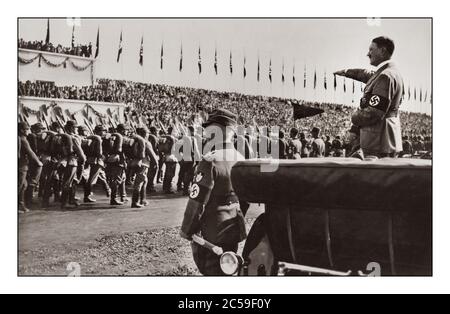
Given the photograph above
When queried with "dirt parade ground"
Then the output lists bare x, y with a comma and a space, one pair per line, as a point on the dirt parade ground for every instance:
97, 240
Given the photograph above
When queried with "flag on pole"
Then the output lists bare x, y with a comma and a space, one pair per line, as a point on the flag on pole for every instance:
119, 52
409, 92
199, 60
335, 82
181, 58
141, 52
415, 93
270, 70
215, 60
315, 79
325, 80
73, 36
304, 77
231, 63
97, 43
426, 96
420, 95
345, 86
47, 36
353, 87
162, 56
282, 73
257, 73
245, 68
361, 87
293, 74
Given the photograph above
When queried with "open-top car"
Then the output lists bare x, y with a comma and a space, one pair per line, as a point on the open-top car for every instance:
337, 216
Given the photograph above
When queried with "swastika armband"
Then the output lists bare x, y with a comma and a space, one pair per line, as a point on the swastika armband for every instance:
199, 193
377, 102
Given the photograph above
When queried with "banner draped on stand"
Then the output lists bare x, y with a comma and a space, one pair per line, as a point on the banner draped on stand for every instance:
40, 56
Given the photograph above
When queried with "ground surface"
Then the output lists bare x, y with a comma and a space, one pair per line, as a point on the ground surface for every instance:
104, 241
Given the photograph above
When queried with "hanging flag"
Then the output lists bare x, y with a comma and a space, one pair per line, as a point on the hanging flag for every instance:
97, 43
199, 60
409, 92
141, 52
119, 52
304, 77
47, 36
181, 58
426, 96
270, 70
325, 80
245, 68
345, 86
162, 56
415, 93
353, 87
215, 61
315, 79
420, 95
257, 74
293, 74
282, 73
73, 36
231, 63
335, 82
361, 87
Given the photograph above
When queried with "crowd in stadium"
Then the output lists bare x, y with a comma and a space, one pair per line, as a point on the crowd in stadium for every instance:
75, 50
164, 102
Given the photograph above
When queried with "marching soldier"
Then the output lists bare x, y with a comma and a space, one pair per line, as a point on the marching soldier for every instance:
116, 164
51, 172
153, 171
144, 156
213, 209
378, 115
95, 161
34, 169
73, 159
26, 155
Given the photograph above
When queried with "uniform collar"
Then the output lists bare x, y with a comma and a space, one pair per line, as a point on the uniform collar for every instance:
382, 64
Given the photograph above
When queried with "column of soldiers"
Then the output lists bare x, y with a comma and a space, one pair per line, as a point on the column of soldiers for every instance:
53, 162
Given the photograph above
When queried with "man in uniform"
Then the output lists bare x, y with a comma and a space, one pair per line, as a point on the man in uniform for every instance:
378, 115
294, 145
144, 157
153, 171
51, 173
317, 145
213, 209
116, 164
34, 169
73, 159
95, 161
170, 161
26, 155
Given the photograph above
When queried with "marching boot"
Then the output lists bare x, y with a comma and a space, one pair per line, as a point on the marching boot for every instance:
72, 198
29, 196
22, 208
114, 196
123, 193
143, 197
87, 194
135, 200
64, 199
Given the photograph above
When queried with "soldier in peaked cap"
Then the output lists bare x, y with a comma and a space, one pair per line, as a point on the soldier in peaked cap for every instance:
213, 209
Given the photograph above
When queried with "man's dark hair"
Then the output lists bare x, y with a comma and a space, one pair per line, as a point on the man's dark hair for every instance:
385, 42
294, 132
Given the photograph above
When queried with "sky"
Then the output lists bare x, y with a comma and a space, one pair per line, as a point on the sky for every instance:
320, 45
